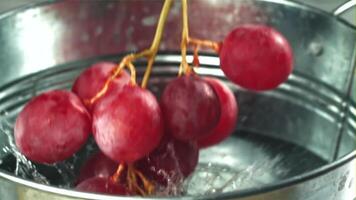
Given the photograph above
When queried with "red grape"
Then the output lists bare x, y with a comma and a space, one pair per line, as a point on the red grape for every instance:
91, 80
190, 107
256, 57
228, 117
102, 185
128, 125
97, 166
52, 127
171, 161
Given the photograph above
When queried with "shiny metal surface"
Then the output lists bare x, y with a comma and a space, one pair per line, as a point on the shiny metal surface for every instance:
317, 98
344, 7
38, 37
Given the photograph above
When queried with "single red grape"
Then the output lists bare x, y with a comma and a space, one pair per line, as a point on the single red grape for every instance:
228, 117
102, 185
172, 160
190, 107
91, 80
256, 57
52, 127
128, 125
97, 166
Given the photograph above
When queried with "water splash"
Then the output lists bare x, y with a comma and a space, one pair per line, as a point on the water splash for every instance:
210, 178
62, 174
24, 167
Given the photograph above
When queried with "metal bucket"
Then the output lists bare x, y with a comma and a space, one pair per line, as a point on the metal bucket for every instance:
296, 142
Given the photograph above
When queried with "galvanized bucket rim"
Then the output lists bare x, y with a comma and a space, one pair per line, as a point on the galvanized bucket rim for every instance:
228, 195
292, 3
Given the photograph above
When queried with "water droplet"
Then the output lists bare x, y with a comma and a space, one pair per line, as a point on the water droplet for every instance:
316, 48
342, 183
149, 21
85, 37
98, 30
110, 6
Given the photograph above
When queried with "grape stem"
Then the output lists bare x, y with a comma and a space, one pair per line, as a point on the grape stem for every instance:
184, 67
115, 74
116, 176
150, 55
196, 43
156, 41
132, 176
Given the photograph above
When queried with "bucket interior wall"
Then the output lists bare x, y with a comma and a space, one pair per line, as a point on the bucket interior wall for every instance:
348, 140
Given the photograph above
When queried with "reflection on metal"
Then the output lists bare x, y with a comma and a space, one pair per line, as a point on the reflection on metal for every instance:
345, 7
36, 40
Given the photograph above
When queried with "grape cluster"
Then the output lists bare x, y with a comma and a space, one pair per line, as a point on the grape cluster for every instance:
145, 143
